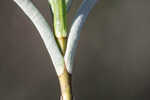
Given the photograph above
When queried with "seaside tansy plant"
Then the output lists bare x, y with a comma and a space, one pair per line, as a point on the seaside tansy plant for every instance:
60, 43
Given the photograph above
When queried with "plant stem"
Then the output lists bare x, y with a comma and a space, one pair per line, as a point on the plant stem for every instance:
65, 85
60, 25
60, 29
62, 42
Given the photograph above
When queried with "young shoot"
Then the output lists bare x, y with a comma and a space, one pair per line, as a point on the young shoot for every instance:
60, 47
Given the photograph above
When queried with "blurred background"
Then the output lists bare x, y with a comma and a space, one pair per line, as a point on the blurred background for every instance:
112, 60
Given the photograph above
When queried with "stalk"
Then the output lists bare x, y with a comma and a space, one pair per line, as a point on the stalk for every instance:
65, 85
59, 19
60, 29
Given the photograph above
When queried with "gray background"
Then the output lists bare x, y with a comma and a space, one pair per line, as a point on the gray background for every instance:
112, 60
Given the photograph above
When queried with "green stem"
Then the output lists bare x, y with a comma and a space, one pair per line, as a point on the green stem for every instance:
65, 85
59, 19
60, 28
